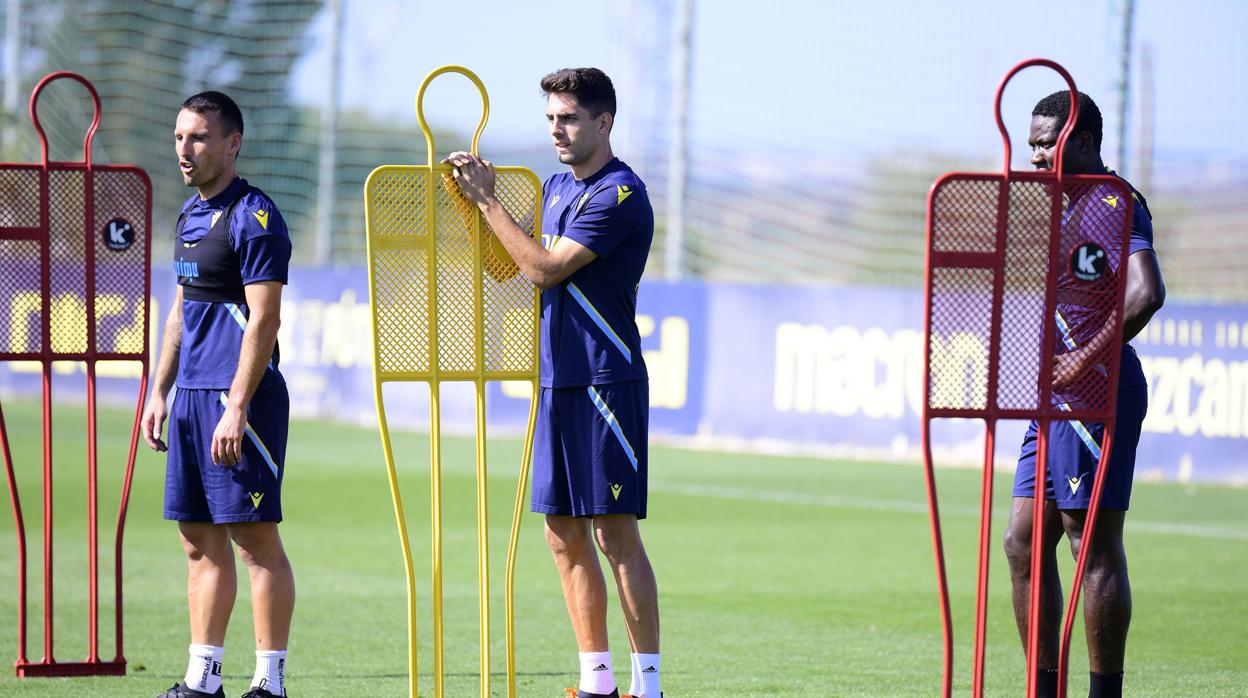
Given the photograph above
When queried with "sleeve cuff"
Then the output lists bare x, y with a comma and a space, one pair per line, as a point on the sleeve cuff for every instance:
257, 279
592, 243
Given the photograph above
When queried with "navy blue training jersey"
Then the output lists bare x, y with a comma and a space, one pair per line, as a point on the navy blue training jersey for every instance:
589, 326
1096, 217
214, 258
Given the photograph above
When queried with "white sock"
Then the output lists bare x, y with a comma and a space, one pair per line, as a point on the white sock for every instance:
203, 672
645, 676
270, 671
596, 676
635, 683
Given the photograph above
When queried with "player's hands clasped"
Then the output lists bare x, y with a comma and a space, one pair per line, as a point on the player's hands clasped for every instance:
474, 175
154, 422
1068, 367
227, 438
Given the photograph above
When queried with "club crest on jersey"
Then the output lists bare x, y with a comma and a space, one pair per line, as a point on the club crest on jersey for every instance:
1088, 262
118, 235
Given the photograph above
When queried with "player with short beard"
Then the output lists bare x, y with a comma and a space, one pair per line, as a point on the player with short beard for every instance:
229, 417
591, 452
1074, 448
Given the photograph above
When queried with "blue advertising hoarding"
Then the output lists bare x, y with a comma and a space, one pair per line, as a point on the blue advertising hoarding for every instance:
820, 370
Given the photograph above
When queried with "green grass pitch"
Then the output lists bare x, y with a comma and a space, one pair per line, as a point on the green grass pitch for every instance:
778, 576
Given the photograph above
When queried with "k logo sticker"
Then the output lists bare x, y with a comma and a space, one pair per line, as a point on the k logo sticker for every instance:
118, 235
1088, 262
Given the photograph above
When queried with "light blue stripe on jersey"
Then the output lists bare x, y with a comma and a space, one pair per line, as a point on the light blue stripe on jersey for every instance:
1080, 429
237, 314
614, 423
1084, 435
251, 434
1067, 339
600, 321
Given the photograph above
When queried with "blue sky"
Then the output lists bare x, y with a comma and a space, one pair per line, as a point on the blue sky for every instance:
796, 76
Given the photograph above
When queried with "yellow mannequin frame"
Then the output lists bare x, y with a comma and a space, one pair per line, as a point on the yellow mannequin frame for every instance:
448, 305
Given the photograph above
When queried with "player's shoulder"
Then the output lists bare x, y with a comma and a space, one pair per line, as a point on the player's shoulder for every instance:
257, 214
1106, 206
1141, 217
621, 175
255, 199
1105, 200
1127, 194
620, 187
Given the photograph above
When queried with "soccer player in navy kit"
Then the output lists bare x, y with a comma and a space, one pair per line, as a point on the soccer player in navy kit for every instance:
1074, 447
228, 419
590, 447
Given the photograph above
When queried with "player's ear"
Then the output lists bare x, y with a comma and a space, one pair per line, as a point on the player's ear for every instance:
605, 121
1085, 141
235, 143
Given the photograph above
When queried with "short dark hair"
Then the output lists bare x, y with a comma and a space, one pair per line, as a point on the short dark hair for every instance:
1057, 106
227, 111
591, 87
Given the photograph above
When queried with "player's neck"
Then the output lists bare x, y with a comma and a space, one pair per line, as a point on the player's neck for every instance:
218, 185
593, 163
1094, 166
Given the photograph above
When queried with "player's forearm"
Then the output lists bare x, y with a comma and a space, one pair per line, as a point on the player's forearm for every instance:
170, 353
528, 254
258, 341
1101, 341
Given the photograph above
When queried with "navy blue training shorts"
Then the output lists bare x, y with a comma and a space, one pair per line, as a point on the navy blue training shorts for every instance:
590, 450
196, 489
1075, 449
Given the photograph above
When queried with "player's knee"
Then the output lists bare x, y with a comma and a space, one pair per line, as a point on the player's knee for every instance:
259, 546
567, 537
265, 556
199, 542
194, 552
1076, 544
620, 544
1107, 580
1018, 547
1104, 561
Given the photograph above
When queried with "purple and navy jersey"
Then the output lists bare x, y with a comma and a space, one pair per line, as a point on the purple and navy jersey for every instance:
214, 259
589, 327
1091, 224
